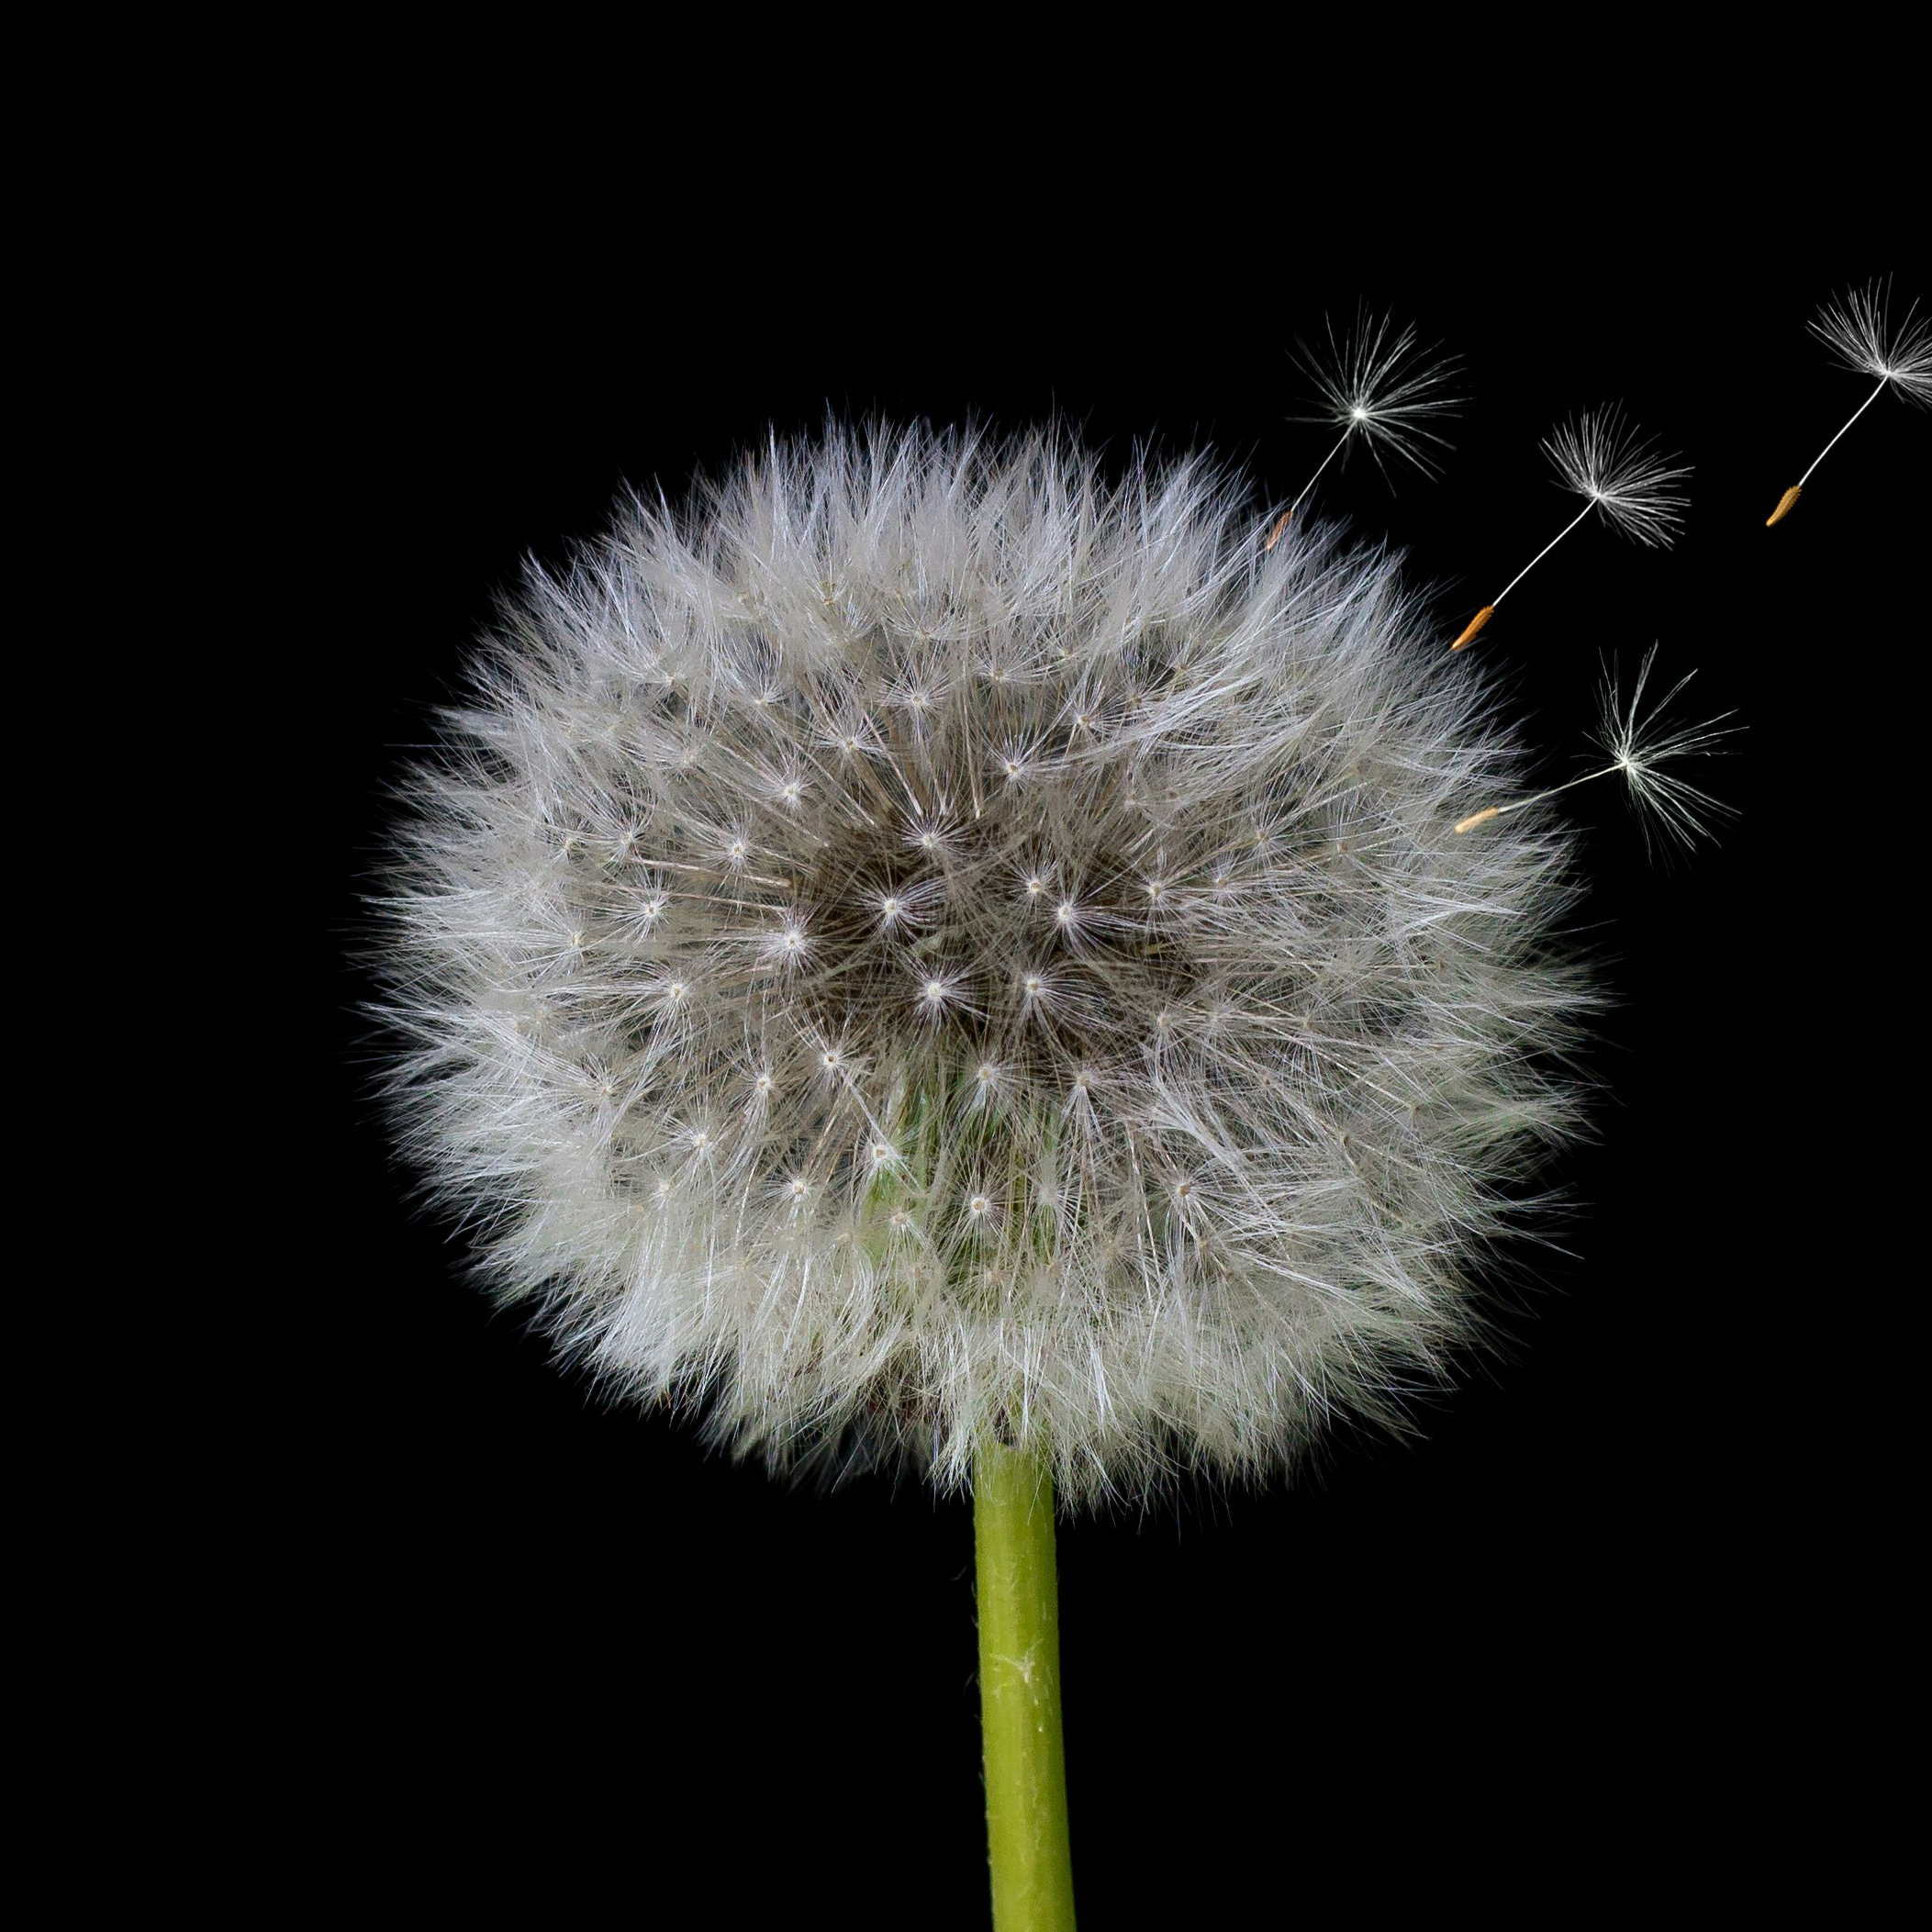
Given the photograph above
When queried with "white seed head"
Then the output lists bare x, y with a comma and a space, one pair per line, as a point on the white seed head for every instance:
1152, 1108
1857, 330
1377, 381
1601, 457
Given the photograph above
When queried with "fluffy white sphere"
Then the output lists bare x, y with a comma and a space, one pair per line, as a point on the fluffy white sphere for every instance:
926, 945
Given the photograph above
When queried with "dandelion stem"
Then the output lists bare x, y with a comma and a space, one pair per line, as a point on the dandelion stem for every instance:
1496, 811
1320, 467
1543, 553
1848, 421
1019, 1693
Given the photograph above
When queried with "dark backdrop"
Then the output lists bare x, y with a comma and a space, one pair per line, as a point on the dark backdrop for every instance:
1570, 1616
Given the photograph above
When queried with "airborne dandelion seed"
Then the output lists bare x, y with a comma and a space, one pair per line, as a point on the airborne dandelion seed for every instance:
1379, 384
1641, 748
1614, 471
1857, 331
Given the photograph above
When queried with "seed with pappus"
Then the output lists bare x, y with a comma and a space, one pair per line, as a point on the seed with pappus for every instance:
1858, 331
1378, 383
926, 948
1643, 750
1614, 471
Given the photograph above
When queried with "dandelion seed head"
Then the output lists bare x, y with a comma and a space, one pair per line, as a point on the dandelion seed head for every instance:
1601, 456
1148, 1112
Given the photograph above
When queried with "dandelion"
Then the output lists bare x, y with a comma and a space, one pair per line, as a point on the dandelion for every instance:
1377, 384
1059, 1136
1642, 748
1606, 462
1858, 331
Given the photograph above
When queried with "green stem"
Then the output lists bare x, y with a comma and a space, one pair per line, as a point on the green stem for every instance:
1019, 1693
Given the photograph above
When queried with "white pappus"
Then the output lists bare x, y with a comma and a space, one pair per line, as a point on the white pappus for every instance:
926, 945
1377, 383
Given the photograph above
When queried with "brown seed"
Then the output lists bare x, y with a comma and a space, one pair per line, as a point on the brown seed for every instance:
1475, 624
1784, 505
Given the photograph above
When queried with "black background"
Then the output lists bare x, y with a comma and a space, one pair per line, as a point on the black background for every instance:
1578, 1616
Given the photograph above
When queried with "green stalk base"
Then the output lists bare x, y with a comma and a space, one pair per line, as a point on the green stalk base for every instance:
1020, 1694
